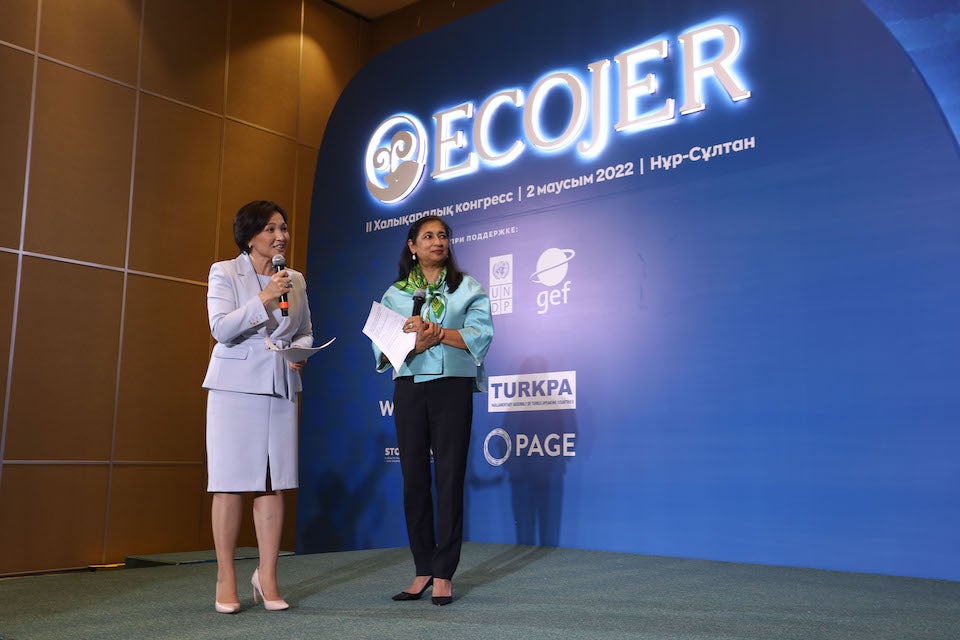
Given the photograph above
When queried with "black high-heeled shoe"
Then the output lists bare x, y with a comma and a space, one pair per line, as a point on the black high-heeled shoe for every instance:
406, 595
441, 600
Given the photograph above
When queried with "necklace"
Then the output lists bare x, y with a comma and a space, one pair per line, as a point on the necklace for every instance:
256, 273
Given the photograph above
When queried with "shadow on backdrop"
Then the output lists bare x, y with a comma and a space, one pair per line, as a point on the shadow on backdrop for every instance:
536, 467
339, 517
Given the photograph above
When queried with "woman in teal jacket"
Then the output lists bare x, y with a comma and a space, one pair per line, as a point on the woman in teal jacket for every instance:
433, 398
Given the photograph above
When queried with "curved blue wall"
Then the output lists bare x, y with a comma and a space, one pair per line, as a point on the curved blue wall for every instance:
732, 335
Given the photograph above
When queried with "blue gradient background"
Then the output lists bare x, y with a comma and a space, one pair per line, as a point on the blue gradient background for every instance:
766, 344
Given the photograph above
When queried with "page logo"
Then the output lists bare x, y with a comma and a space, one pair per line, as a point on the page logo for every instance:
498, 446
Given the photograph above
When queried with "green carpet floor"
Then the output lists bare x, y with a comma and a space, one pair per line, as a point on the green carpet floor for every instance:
501, 591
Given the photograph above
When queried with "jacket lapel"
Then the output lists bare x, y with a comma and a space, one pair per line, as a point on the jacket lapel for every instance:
246, 278
247, 284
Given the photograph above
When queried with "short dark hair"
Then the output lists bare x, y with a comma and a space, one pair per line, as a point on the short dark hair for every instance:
454, 274
251, 219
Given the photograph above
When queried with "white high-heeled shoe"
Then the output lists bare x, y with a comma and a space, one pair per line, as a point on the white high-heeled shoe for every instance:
269, 605
228, 607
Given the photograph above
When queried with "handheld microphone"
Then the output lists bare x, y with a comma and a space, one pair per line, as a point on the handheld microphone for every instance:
419, 297
279, 264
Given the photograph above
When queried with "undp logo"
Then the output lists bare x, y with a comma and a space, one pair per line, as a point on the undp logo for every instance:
501, 270
501, 284
396, 158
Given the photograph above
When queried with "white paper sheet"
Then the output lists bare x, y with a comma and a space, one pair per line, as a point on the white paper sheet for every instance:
385, 327
296, 354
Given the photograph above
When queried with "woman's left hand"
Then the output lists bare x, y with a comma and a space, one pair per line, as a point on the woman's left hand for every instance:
296, 366
414, 324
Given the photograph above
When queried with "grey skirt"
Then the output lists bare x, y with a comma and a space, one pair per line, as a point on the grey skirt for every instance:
245, 432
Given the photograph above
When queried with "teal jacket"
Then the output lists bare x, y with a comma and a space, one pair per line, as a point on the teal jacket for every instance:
468, 311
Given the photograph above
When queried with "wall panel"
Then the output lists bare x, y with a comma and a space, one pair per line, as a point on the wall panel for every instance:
58, 511
331, 56
71, 30
65, 363
81, 123
419, 18
185, 51
18, 22
174, 221
262, 86
8, 284
306, 166
154, 509
16, 77
161, 407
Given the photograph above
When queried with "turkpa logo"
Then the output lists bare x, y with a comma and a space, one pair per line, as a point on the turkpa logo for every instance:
394, 168
533, 392
551, 272
498, 446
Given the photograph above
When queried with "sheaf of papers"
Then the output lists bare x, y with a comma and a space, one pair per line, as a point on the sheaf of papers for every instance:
296, 354
385, 327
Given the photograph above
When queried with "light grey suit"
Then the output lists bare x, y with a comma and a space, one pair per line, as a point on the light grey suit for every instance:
251, 407
239, 322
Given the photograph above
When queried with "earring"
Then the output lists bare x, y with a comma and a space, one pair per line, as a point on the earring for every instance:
414, 257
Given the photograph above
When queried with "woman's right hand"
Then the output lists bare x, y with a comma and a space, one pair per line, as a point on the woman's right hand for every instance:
279, 284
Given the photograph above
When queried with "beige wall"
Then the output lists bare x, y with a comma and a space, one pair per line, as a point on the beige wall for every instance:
418, 18
130, 133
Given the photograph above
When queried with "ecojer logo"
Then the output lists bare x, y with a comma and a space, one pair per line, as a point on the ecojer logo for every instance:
463, 134
548, 391
551, 271
401, 161
498, 446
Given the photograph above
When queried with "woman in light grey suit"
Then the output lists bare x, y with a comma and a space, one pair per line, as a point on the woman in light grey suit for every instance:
252, 396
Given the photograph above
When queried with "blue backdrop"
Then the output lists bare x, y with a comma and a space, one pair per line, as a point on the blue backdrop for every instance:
725, 330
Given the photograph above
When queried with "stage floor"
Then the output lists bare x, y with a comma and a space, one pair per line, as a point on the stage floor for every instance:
501, 591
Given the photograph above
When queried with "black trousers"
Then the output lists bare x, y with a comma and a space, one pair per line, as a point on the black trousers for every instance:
435, 416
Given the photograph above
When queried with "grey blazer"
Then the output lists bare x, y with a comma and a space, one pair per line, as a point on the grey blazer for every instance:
239, 322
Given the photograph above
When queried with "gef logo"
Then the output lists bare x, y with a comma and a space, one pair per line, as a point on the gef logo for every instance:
551, 272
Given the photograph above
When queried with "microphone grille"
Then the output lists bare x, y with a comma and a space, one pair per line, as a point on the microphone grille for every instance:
420, 293
279, 260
